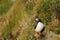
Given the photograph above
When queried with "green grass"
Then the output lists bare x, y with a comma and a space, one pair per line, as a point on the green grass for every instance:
29, 6
9, 26
57, 31
24, 1
43, 10
8, 29
13, 21
29, 32
4, 6
22, 11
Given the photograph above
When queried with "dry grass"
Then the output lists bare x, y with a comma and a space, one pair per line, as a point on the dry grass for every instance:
19, 19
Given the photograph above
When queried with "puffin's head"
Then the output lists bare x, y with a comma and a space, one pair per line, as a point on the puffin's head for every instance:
37, 19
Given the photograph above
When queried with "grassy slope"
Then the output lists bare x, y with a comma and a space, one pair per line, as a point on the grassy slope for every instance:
14, 16
4, 6
20, 19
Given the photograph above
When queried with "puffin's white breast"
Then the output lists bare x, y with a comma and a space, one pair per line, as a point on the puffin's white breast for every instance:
39, 27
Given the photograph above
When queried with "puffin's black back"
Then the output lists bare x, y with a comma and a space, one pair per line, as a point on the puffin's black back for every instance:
39, 20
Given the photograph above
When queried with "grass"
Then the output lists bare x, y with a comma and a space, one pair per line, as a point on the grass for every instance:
24, 1
30, 6
22, 13
13, 23
8, 29
57, 31
43, 9
29, 32
5, 6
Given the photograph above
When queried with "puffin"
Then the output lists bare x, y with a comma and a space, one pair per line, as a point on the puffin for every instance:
40, 27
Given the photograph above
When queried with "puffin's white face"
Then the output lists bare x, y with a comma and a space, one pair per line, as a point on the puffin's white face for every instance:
36, 19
